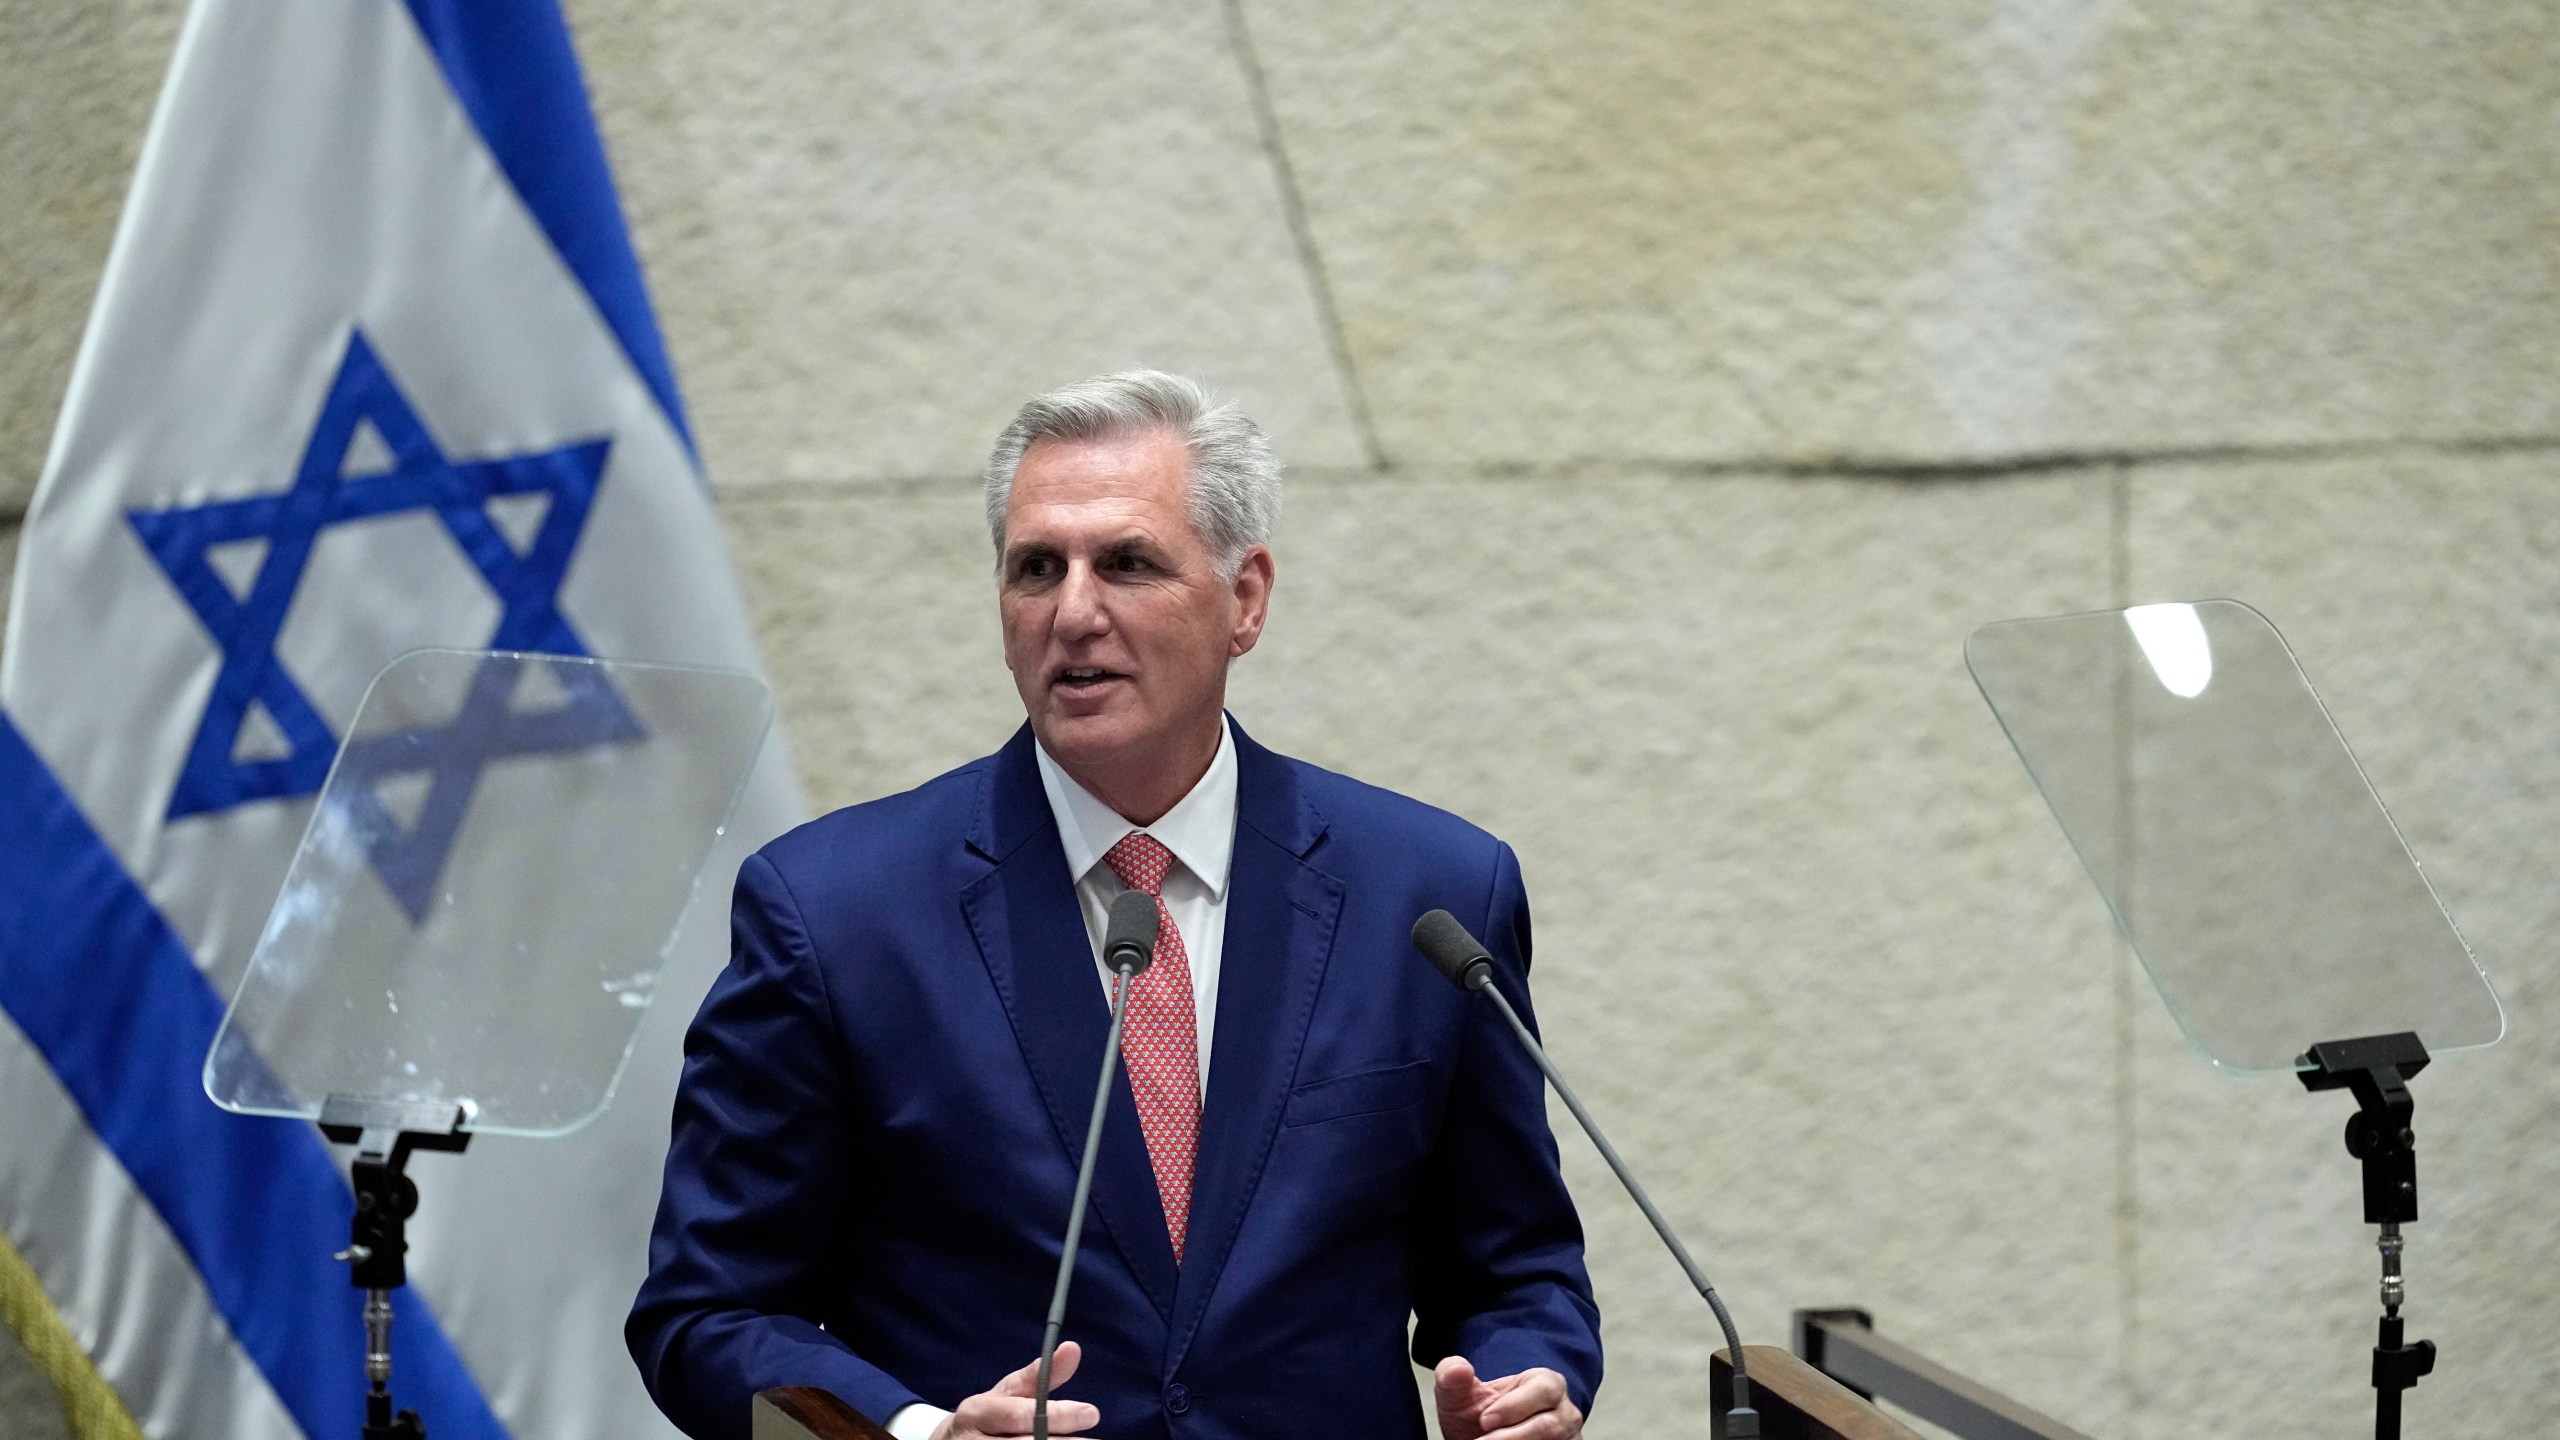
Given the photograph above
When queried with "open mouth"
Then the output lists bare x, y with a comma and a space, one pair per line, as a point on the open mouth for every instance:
1079, 679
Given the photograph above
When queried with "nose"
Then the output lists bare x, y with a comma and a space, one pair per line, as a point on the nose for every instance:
1081, 613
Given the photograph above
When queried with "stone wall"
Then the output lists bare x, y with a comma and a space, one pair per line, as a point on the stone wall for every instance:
1670, 388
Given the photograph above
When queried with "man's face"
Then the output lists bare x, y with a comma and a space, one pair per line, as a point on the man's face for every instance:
1116, 626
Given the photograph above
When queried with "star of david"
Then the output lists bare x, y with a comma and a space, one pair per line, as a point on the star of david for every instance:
245, 624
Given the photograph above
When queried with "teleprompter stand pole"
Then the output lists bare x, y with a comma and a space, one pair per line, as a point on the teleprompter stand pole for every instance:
2377, 1069
384, 1133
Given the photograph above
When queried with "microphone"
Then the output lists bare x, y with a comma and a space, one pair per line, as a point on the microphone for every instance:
1463, 960
1129, 935
1452, 951
1128, 947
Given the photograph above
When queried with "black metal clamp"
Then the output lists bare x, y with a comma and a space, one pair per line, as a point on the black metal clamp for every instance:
385, 1133
2377, 1068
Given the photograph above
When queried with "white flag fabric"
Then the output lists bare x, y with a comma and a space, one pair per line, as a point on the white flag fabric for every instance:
371, 369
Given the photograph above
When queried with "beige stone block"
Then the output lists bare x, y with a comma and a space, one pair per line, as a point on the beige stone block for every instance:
2416, 589
875, 612
1807, 941
874, 230
77, 83
1735, 231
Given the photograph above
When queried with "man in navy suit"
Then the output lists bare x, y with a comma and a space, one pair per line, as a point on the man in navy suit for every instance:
1314, 1143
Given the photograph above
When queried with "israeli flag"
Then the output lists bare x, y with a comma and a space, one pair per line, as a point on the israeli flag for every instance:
371, 369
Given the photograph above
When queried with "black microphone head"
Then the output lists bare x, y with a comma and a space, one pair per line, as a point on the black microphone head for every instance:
1129, 936
1452, 951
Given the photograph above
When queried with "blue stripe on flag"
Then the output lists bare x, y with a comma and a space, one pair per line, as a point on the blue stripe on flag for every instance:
111, 998
514, 70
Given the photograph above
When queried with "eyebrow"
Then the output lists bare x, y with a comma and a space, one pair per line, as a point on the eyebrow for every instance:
1140, 545
1132, 545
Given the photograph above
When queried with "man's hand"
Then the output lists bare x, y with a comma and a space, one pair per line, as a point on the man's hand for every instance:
1005, 1410
1531, 1405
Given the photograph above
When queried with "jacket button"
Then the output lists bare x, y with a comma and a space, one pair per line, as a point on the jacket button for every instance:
1177, 1398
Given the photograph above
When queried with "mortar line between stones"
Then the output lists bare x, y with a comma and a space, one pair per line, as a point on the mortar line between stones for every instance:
2105, 465
2128, 1198
2037, 462
1293, 205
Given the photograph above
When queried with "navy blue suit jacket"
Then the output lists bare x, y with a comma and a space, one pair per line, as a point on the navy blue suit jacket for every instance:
885, 1094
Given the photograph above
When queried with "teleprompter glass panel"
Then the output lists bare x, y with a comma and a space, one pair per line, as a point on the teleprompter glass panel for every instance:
2230, 831
488, 887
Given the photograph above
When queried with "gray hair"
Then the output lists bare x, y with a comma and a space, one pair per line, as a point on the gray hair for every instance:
1235, 479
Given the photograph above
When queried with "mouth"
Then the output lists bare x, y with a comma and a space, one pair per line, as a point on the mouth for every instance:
1084, 679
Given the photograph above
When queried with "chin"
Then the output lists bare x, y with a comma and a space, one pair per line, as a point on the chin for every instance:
1090, 739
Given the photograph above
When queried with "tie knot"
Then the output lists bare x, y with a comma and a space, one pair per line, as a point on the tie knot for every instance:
1140, 860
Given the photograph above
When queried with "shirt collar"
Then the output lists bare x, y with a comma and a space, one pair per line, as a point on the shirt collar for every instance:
1200, 829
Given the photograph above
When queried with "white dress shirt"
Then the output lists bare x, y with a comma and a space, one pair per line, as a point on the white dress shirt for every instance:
1200, 830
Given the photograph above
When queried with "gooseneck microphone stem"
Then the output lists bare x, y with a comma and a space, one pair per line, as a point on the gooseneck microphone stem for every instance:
1128, 947
1463, 961
1644, 1202
1122, 976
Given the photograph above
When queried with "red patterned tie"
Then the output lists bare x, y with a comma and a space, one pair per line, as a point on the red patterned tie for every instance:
1162, 1041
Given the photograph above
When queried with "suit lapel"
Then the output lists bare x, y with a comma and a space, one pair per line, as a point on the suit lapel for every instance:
1281, 916
1031, 934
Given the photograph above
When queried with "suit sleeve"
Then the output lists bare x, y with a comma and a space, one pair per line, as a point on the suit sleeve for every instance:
757, 1179
1501, 1278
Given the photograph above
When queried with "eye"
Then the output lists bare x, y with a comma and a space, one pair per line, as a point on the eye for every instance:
1036, 566
1126, 563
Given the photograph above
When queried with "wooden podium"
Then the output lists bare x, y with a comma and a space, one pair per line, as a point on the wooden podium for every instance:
1798, 1402
805, 1412
1795, 1401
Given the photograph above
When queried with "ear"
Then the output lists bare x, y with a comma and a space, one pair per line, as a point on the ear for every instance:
1252, 589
